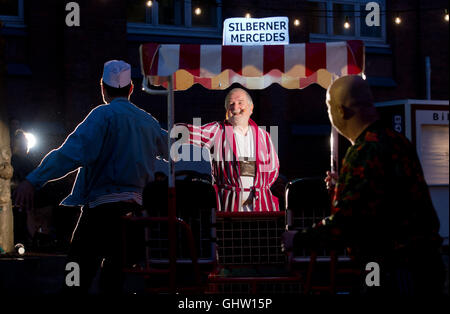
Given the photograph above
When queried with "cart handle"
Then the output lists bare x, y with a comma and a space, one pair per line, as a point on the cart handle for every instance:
152, 91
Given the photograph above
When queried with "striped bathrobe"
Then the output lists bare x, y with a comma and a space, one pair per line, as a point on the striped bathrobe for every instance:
218, 138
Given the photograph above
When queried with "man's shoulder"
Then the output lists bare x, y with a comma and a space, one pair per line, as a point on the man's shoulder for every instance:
102, 109
131, 107
379, 143
384, 138
97, 115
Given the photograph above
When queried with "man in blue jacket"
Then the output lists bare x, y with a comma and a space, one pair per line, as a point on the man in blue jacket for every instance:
114, 150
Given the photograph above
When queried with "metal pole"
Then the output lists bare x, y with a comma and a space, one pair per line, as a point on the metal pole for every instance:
171, 210
334, 146
171, 192
428, 76
170, 119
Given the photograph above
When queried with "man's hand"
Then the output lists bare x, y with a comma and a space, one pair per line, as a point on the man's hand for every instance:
287, 241
331, 180
24, 195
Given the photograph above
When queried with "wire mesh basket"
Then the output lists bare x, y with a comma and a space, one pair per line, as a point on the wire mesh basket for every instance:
250, 238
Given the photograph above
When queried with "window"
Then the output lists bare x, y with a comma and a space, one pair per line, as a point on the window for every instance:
11, 12
319, 18
201, 18
171, 12
343, 13
367, 31
205, 13
328, 18
9, 7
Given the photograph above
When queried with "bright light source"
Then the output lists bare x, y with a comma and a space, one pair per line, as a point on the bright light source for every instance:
347, 23
397, 20
149, 3
446, 15
20, 249
31, 140
198, 11
364, 77
248, 15
296, 22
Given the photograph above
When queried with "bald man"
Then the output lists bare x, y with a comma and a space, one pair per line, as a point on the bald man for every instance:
381, 207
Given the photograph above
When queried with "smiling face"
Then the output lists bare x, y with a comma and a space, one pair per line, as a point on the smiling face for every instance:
239, 109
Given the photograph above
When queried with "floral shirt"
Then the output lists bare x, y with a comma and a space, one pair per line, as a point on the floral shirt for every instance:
381, 202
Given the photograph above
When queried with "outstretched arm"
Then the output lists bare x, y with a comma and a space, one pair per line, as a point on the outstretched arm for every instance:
81, 148
198, 135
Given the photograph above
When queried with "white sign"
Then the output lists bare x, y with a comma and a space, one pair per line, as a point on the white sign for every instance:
251, 32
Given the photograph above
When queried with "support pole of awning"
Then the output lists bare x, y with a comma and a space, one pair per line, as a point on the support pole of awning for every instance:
334, 141
334, 146
171, 178
169, 92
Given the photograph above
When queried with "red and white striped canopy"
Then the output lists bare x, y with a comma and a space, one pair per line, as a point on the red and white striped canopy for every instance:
292, 66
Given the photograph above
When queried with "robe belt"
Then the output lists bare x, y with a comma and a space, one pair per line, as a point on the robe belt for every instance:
239, 189
248, 168
235, 188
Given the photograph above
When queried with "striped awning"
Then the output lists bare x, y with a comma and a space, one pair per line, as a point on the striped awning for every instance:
292, 66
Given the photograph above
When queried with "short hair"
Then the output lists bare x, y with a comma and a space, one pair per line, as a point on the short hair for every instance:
227, 98
116, 92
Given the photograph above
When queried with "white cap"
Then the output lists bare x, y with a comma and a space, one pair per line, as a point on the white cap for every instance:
117, 73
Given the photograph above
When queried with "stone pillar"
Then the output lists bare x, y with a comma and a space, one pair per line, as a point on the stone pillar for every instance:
6, 171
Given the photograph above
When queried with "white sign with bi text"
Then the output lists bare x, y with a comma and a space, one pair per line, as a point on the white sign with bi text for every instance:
251, 32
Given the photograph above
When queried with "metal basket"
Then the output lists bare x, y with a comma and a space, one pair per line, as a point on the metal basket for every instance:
250, 238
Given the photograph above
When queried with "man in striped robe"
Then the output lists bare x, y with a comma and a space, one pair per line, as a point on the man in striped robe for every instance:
244, 163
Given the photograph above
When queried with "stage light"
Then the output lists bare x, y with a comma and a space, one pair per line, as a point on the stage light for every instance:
247, 16
296, 22
31, 140
149, 3
347, 23
20, 249
198, 11
397, 19
446, 15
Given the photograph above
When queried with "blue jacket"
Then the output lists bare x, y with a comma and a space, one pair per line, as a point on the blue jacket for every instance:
114, 150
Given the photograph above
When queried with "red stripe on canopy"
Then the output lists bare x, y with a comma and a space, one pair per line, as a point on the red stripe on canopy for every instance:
355, 57
190, 59
315, 57
273, 58
232, 58
149, 57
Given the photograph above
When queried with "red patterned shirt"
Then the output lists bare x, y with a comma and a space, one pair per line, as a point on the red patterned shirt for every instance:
381, 201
